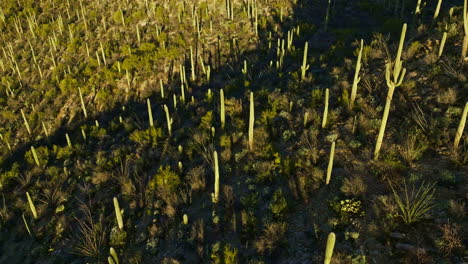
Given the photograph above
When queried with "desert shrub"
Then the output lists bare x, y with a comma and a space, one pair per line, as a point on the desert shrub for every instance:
353, 186
42, 155
413, 146
148, 137
272, 237
223, 253
165, 178
11, 174
278, 205
68, 84
450, 240
348, 210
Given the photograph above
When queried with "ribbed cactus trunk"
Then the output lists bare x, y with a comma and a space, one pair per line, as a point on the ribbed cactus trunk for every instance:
330, 246
118, 214
251, 121
216, 170
356, 79
465, 27
330, 163
394, 79
304, 66
150, 113
325, 109
32, 206
461, 127
223, 115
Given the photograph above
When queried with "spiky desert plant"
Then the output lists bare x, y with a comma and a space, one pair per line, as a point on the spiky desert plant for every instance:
329, 249
223, 115
413, 204
330, 163
398, 74
251, 121
356, 79
325, 110
32, 206
118, 214
304, 66
216, 170
461, 127
150, 113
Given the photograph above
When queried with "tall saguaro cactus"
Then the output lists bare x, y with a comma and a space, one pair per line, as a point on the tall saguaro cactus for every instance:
150, 113
465, 27
304, 66
357, 79
461, 127
83, 106
31, 205
251, 121
118, 214
330, 163
223, 115
394, 79
216, 170
325, 109
330, 246
168, 119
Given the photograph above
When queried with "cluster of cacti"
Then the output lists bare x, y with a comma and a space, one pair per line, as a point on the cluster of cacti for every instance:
206, 47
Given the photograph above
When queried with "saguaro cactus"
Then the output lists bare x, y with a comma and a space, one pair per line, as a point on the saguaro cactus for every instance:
26, 124
36, 159
118, 214
325, 110
330, 163
223, 116
461, 127
83, 107
251, 121
168, 119
357, 79
304, 66
31, 205
330, 246
216, 170
442, 44
398, 74
465, 27
150, 113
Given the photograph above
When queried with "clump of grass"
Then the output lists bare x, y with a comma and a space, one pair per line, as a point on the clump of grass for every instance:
414, 203
91, 235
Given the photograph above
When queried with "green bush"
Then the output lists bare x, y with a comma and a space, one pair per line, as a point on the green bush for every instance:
166, 179
148, 137
279, 205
